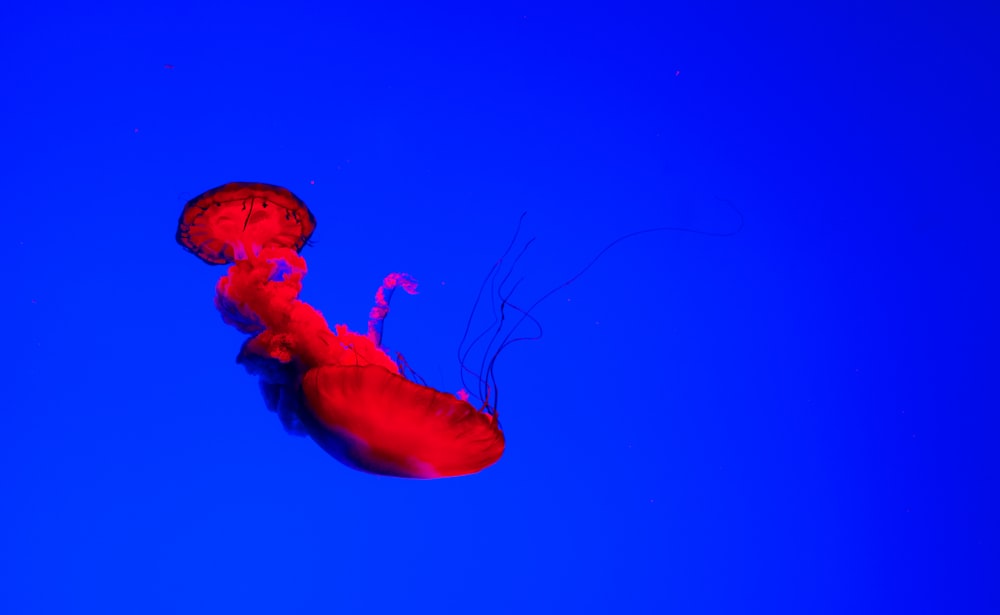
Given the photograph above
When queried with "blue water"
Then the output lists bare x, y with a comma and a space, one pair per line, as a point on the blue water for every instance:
800, 418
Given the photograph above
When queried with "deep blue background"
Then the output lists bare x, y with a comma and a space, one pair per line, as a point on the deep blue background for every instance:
798, 419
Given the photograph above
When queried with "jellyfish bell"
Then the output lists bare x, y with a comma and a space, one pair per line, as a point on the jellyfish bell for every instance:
234, 220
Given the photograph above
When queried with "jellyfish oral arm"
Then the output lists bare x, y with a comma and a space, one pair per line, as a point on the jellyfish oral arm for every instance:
378, 313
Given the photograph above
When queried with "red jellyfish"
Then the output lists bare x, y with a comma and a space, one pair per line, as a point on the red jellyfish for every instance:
339, 387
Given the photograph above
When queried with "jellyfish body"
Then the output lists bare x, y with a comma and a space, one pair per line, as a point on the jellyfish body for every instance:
339, 387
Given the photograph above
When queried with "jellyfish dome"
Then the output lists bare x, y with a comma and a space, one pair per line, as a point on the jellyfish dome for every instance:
338, 386
223, 224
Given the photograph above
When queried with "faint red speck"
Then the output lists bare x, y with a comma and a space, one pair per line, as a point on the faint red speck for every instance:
312, 182
677, 73
168, 66
135, 131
